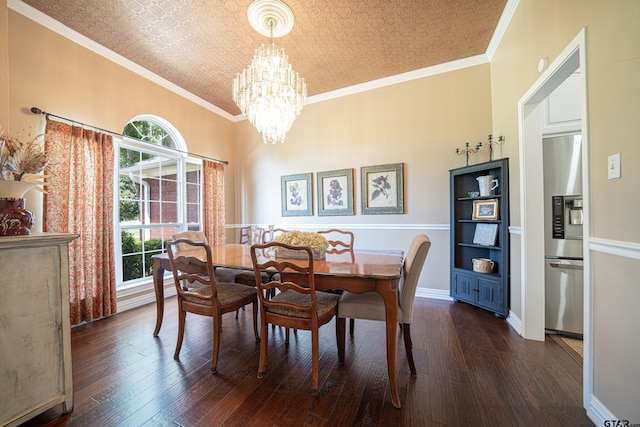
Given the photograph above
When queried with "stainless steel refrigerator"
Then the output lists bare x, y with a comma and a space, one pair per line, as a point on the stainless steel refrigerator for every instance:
564, 277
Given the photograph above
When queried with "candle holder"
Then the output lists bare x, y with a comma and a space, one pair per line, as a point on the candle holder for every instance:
491, 143
468, 150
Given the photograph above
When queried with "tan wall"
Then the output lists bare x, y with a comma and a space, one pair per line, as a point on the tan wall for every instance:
61, 77
4, 68
418, 123
617, 347
543, 28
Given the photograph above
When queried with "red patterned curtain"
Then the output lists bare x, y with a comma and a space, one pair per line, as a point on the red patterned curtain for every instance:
80, 201
213, 202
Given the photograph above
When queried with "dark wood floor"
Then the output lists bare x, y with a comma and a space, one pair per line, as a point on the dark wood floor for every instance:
473, 370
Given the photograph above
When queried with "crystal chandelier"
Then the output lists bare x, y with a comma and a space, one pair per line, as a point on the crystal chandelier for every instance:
268, 92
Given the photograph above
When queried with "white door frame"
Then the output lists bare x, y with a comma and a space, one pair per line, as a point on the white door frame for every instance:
572, 58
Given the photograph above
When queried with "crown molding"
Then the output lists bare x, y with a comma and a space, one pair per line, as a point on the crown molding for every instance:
57, 27
503, 24
447, 67
459, 64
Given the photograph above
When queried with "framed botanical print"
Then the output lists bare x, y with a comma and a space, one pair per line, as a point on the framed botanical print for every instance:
297, 198
335, 192
383, 189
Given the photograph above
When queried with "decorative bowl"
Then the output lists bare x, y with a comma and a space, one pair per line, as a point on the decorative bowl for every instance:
483, 265
473, 193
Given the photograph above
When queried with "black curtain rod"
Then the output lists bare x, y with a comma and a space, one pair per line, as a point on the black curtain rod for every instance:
36, 110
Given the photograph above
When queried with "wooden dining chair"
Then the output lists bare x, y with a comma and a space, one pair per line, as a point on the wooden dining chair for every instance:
296, 305
250, 235
267, 235
370, 305
340, 241
245, 277
223, 274
194, 236
245, 235
191, 264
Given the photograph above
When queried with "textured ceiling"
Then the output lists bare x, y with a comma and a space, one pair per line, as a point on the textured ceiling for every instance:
200, 45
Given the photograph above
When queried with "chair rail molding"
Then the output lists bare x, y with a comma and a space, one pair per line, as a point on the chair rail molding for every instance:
615, 247
361, 226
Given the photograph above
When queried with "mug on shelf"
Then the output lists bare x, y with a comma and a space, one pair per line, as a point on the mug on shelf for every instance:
486, 185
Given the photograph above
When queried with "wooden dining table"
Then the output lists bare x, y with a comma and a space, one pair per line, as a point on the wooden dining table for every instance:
365, 271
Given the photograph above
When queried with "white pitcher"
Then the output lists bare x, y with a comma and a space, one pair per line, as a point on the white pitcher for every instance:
486, 184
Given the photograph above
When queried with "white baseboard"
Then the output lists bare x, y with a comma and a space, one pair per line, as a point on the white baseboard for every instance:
442, 294
433, 293
598, 413
515, 323
147, 296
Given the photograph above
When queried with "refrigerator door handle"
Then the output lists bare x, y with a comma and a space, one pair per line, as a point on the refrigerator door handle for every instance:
567, 266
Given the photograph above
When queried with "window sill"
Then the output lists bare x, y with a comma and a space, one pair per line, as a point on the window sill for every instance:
141, 293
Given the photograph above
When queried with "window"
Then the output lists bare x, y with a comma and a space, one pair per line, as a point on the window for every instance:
158, 195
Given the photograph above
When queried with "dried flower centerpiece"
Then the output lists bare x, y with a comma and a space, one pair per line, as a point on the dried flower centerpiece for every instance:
315, 241
23, 160
21, 164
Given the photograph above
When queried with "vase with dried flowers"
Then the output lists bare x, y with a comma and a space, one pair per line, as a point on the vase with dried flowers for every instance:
21, 165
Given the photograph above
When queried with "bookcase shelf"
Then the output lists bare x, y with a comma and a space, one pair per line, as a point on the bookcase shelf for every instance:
489, 291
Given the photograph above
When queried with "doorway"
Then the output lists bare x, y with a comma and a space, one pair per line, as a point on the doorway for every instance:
531, 172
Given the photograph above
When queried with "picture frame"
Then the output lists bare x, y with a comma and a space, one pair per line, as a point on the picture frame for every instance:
382, 189
335, 192
297, 197
485, 234
485, 209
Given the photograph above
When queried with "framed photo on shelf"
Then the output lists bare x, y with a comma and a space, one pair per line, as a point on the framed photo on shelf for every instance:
485, 209
297, 198
485, 234
335, 192
382, 189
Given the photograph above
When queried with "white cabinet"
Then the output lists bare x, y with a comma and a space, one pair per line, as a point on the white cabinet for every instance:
562, 108
35, 334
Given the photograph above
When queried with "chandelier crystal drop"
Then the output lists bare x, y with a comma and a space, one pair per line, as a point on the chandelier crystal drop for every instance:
268, 92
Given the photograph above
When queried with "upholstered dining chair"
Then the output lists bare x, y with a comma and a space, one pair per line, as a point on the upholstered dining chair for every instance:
370, 305
297, 304
191, 264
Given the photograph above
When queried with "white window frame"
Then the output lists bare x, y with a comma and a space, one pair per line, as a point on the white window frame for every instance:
178, 154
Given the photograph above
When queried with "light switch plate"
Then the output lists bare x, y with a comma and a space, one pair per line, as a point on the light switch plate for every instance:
613, 166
